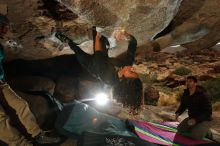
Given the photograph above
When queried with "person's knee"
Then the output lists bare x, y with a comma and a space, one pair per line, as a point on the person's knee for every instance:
21, 104
200, 130
197, 135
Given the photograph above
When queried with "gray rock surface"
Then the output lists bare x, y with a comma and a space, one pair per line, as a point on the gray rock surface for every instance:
37, 18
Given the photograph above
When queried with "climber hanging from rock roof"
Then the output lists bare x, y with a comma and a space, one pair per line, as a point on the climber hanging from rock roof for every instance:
124, 80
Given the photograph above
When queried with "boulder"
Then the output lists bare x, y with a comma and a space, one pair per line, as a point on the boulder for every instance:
173, 81
151, 95
67, 89
205, 77
217, 68
39, 107
192, 27
167, 99
32, 83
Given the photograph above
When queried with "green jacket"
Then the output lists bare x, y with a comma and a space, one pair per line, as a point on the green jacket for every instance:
2, 75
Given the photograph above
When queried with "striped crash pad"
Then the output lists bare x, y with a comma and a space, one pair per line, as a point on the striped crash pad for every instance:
164, 133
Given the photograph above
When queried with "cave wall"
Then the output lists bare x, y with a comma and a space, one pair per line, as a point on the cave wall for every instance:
33, 20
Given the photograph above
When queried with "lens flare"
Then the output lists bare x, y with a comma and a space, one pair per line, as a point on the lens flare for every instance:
101, 99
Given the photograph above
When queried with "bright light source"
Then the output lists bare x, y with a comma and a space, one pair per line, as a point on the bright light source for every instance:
175, 46
101, 99
218, 43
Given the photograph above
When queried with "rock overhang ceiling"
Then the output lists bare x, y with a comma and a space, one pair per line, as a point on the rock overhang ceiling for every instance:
33, 22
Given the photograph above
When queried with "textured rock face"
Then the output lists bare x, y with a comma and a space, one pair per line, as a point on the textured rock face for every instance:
32, 83
35, 102
151, 95
206, 13
142, 18
194, 26
32, 21
67, 89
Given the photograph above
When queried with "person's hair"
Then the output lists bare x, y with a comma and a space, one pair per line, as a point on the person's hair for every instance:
192, 78
129, 92
3, 20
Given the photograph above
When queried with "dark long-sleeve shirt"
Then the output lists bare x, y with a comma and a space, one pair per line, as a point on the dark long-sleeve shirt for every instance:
127, 58
198, 105
96, 64
102, 67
